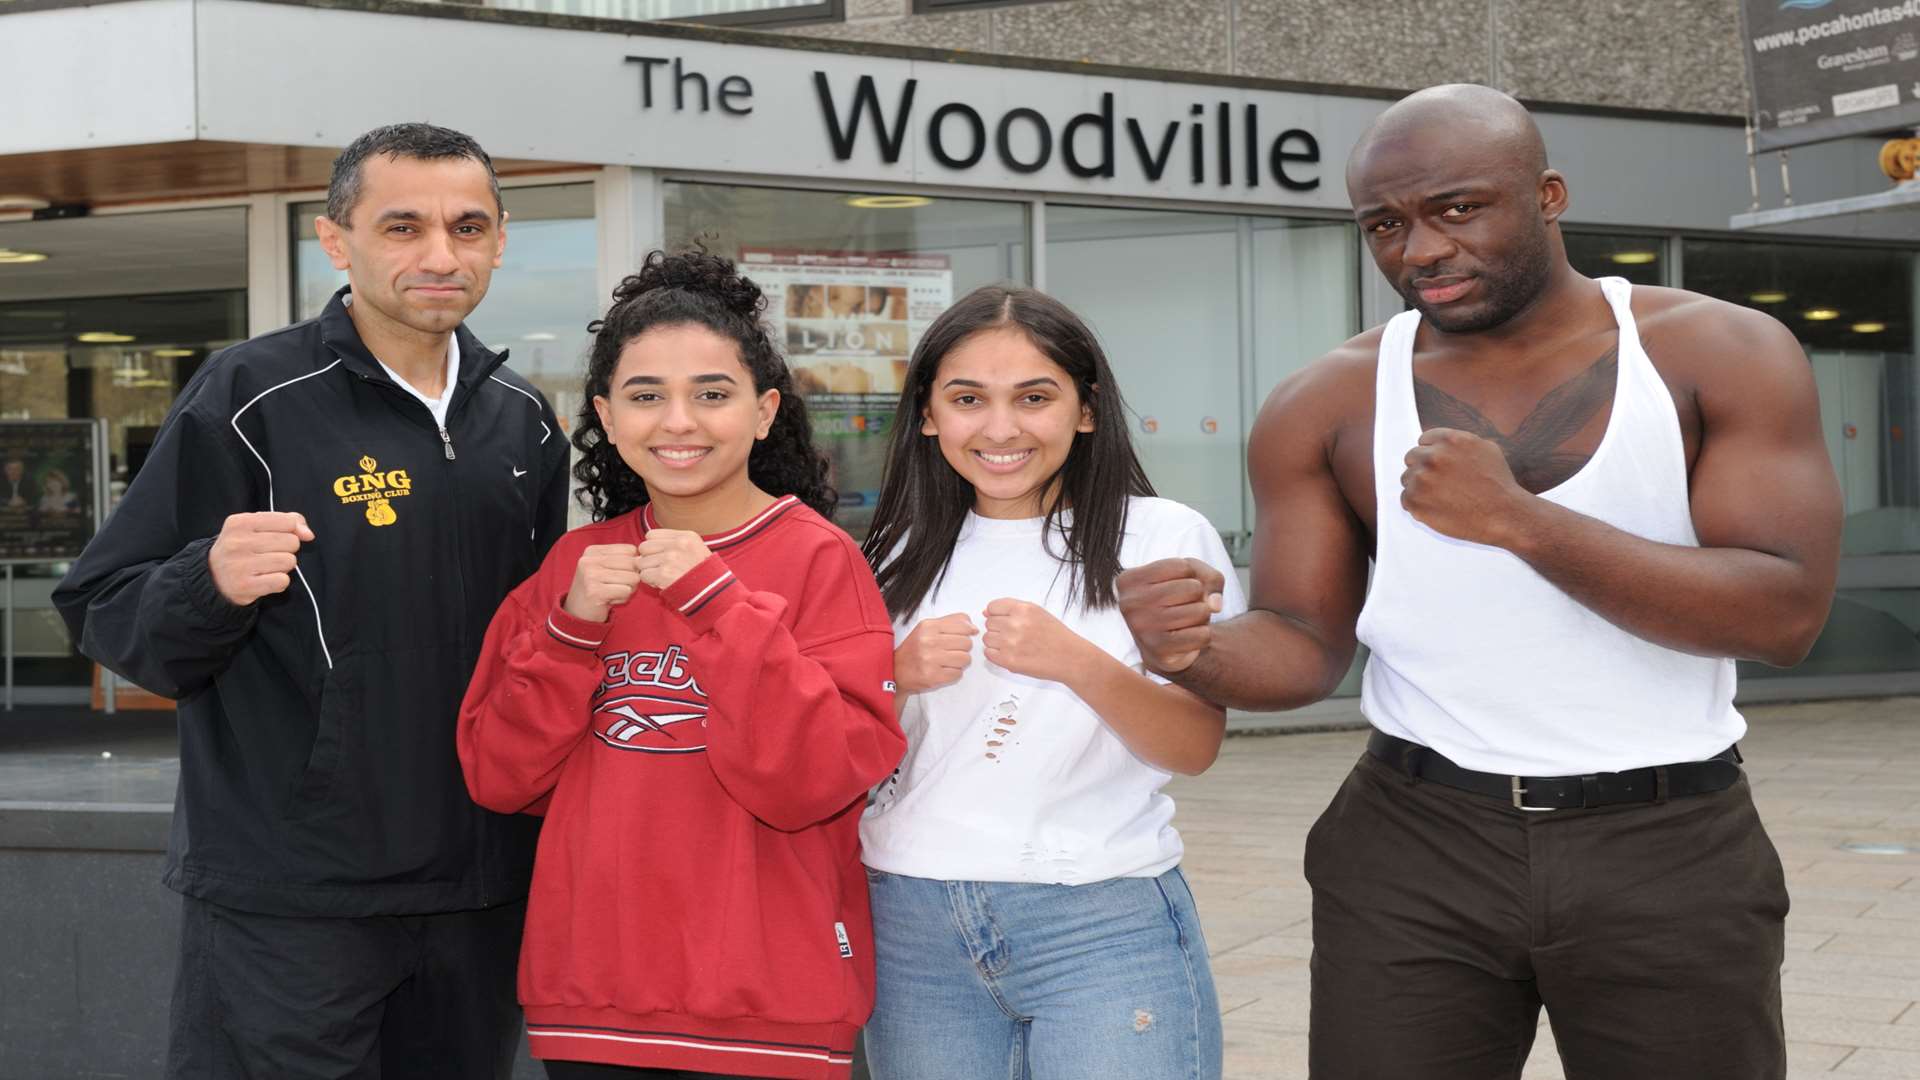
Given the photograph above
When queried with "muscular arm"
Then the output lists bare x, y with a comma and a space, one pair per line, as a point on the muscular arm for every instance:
1296, 640
1766, 508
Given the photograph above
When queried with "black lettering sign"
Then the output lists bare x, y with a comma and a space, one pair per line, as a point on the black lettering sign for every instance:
1152, 163
936, 140
865, 97
1003, 141
1309, 154
1102, 121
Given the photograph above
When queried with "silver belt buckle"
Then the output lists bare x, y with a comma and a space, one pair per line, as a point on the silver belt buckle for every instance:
1521, 804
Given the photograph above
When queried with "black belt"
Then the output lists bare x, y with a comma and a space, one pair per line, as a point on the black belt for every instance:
1563, 792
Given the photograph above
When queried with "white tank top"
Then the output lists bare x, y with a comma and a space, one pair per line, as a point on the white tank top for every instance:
1479, 657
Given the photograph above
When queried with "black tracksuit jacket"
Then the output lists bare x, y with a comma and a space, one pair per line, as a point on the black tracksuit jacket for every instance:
317, 766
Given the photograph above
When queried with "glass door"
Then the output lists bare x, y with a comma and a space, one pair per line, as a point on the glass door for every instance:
103, 317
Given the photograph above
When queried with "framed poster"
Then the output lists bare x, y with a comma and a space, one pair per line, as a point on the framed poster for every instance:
50, 488
849, 322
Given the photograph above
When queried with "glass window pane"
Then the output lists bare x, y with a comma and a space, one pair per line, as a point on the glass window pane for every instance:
1306, 296
1162, 291
1852, 309
852, 280
540, 301
1639, 259
111, 324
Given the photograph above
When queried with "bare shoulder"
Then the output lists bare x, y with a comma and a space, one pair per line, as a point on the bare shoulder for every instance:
1704, 340
1337, 388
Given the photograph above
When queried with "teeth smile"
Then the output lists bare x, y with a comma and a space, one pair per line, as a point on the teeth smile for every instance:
681, 455
1003, 459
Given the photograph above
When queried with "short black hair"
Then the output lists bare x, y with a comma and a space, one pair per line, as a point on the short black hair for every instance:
422, 142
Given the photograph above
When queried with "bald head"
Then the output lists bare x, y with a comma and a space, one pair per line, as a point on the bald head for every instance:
1451, 188
1460, 120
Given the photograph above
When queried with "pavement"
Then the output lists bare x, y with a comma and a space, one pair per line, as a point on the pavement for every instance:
1837, 784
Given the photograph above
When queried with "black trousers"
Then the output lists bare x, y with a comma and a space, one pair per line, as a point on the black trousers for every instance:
1443, 921
270, 997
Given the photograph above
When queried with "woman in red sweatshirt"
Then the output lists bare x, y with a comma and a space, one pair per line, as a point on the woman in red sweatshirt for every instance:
696, 691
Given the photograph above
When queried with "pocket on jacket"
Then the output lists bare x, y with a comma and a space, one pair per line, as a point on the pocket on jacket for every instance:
340, 705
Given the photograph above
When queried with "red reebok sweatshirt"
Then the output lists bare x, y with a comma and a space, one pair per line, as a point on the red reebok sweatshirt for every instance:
702, 759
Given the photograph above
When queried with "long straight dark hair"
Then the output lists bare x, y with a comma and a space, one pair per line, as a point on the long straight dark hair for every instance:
924, 502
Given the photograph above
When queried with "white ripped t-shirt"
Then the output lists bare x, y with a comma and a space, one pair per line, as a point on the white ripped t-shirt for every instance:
1010, 778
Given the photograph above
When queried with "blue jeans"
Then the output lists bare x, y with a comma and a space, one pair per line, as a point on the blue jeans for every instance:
983, 980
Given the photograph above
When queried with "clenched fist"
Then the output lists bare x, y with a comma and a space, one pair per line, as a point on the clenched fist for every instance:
667, 554
1460, 484
1169, 606
603, 579
935, 654
255, 555
1026, 639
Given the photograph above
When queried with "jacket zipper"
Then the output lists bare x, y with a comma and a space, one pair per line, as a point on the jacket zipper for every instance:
459, 548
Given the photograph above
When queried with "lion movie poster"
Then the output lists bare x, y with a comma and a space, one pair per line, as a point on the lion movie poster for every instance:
46, 489
848, 323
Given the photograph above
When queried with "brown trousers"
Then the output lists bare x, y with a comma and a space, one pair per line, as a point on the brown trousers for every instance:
1442, 922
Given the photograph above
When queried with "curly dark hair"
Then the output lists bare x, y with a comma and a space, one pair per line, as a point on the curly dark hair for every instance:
696, 287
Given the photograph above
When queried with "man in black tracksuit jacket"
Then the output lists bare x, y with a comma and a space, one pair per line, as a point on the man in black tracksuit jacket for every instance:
347, 903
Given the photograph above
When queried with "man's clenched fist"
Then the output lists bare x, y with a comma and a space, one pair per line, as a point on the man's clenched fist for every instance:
255, 555
1460, 484
1168, 605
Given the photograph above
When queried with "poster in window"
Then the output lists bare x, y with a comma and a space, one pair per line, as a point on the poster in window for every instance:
46, 489
848, 322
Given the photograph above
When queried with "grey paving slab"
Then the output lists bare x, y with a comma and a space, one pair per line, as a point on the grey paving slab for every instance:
1824, 775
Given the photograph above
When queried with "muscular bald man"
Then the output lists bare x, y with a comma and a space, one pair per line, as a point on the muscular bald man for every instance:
1583, 501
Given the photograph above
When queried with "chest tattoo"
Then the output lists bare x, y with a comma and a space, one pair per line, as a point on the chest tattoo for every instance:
1536, 449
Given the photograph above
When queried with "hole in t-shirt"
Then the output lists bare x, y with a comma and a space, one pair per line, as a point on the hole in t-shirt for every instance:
1000, 724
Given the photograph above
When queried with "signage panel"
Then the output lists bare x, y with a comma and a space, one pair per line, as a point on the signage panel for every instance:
629, 99
1826, 69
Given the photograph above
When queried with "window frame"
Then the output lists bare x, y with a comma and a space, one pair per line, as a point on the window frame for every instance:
819, 12
946, 7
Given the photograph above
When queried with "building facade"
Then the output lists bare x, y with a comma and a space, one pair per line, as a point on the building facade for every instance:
1171, 170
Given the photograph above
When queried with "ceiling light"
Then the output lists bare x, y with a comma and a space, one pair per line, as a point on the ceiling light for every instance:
1634, 258
539, 335
888, 202
1821, 314
172, 354
1868, 327
103, 337
10, 257
23, 202
1770, 297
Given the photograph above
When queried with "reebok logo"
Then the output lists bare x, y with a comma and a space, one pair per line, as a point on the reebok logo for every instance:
655, 712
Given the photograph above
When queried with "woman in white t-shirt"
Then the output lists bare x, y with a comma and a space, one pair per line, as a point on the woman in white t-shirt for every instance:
1030, 919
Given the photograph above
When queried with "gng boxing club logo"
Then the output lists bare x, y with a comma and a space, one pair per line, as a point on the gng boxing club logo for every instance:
375, 487
648, 702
